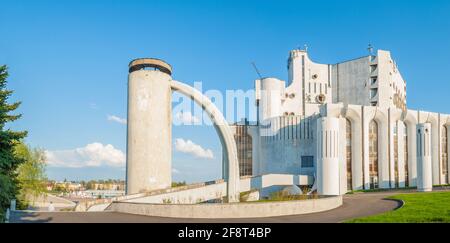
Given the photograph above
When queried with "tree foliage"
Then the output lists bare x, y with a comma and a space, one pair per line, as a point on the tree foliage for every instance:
31, 174
9, 161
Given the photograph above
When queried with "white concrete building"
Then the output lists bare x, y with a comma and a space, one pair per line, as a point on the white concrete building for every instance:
347, 125
338, 127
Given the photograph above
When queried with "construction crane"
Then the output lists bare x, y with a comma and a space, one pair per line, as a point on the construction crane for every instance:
256, 69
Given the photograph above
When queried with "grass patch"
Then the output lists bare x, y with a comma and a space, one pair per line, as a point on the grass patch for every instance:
433, 207
280, 196
381, 190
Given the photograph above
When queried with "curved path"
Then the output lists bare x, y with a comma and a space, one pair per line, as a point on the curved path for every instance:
356, 205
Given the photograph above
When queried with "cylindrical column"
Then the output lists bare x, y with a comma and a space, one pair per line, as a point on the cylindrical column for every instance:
270, 102
424, 167
149, 148
328, 156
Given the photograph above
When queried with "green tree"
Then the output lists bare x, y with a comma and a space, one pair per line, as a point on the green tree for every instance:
9, 161
31, 174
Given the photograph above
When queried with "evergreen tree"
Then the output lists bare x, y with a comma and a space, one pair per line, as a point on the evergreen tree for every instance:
9, 161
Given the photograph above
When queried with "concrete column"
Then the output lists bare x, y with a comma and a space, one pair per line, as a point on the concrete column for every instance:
343, 157
424, 167
149, 146
270, 103
401, 154
412, 151
256, 145
435, 158
366, 159
383, 154
357, 160
448, 150
328, 156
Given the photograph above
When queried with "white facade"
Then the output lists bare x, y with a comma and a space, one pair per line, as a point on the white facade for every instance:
375, 134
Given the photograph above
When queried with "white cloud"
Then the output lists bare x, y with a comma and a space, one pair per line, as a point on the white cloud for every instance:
190, 147
175, 171
117, 119
187, 118
92, 155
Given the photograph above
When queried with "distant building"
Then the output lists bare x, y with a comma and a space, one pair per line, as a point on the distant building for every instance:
102, 193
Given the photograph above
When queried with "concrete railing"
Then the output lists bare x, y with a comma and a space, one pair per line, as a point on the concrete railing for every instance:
229, 210
217, 190
102, 204
199, 192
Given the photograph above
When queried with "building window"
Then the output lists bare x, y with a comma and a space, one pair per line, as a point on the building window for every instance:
405, 151
396, 155
373, 154
307, 161
373, 93
244, 149
445, 154
348, 129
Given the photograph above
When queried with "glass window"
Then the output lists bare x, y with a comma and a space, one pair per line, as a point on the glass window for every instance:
373, 154
307, 161
405, 151
349, 154
373, 93
396, 179
445, 155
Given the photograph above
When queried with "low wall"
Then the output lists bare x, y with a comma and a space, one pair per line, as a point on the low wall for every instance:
218, 189
229, 210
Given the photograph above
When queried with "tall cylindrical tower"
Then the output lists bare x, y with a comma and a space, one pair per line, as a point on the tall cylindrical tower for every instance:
424, 167
149, 132
328, 156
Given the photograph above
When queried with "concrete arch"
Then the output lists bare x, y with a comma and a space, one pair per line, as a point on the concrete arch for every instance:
395, 115
410, 120
225, 135
447, 122
354, 116
381, 118
433, 119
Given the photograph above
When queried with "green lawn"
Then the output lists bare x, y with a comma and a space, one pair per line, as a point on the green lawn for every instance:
418, 208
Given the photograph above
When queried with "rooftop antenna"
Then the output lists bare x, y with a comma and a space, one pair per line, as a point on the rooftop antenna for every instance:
370, 49
257, 71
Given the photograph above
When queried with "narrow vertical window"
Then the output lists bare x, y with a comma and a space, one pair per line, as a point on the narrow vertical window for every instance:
373, 154
405, 151
396, 179
349, 154
445, 154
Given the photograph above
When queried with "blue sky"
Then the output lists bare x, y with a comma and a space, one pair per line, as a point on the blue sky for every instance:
68, 60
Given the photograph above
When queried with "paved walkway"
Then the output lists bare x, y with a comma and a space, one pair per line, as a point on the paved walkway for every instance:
356, 205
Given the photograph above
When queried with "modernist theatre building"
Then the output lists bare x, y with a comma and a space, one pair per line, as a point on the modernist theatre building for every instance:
333, 127
347, 125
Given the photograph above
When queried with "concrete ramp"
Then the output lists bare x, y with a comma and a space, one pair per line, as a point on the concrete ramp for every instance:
218, 190
203, 192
